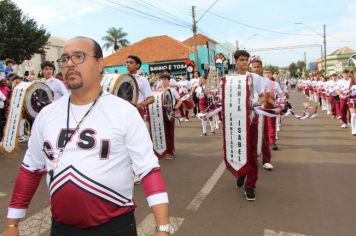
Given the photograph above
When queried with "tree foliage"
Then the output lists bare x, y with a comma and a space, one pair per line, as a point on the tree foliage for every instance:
296, 69
20, 36
115, 38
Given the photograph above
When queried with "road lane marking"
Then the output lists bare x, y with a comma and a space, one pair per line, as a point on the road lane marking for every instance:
37, 224
270, 232
148, 225
209, 185
3, 194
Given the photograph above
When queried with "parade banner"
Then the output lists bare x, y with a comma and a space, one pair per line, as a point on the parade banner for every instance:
236, 120
157, 126
14, 116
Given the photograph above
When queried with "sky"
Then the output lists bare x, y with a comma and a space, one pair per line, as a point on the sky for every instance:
254, 24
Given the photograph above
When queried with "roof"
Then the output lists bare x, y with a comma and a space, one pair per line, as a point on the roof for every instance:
151, 49
342, 51
201, 40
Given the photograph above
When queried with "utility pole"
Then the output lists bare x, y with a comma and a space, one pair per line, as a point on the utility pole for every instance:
237, 45
194, 28
325, 66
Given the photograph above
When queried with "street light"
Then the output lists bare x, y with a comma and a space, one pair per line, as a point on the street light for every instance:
321, 35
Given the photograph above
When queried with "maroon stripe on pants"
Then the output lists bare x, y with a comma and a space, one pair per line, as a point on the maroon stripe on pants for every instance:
266, 151
252, 175
271, 130
343, 110
332, 105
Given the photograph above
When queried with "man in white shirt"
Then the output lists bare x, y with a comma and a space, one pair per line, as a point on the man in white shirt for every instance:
57, 86
88, 150
331, 93
249, 180
343, 89
145, 96
195, 82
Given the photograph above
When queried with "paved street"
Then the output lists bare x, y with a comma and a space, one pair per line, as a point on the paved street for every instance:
310, 192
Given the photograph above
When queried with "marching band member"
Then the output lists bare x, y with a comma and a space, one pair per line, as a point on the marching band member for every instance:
352, 102
184, 89
145, 97
265, 149
343, 89
249, 180
275, 90
195, 82
169, 124
332, 95
57, 87
88, 164
204, 107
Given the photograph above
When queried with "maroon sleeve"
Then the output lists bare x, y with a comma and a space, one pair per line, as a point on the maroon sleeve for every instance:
26, 185
153, 183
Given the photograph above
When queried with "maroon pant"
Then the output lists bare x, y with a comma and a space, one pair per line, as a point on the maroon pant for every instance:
271, 130
266, 151
251, 177
170, 137
332, 105
343, 110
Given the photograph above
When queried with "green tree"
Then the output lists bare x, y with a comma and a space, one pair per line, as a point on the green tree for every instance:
115, 38
21, 37
293, 70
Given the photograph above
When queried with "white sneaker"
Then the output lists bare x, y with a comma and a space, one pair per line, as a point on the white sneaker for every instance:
186, 120
344, 126
328, 113
267, 166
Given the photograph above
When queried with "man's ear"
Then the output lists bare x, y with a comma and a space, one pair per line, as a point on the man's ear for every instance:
101, 66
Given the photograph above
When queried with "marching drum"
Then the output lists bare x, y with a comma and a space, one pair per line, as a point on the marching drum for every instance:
123, 86
168, 104
38, 96
188, 102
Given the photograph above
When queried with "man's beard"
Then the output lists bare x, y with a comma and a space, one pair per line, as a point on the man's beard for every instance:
75, 85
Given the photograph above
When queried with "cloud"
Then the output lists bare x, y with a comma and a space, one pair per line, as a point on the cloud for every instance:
56, 12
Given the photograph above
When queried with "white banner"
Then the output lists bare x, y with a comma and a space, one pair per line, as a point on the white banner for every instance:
157, 124
235, 107
14, 116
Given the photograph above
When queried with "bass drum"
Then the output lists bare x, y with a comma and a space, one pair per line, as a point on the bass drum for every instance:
123, 86
37, 97
168, 104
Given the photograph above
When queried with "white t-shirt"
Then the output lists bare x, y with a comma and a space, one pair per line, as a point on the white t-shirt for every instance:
100, 157
57, 87
353, 90
184, 86
195, 82
330, 86
145, 90
344, 85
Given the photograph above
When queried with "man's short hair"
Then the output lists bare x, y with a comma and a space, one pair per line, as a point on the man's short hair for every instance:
346, 71
164, 76
167, 70
267, 69
47, 64
9, 61
98, 52
240, 53
136, 59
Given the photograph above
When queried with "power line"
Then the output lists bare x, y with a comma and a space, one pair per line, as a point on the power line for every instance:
147, 14
160, 11
256, 27
285, 47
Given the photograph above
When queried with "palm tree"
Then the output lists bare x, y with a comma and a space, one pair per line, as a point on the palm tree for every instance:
115, 39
